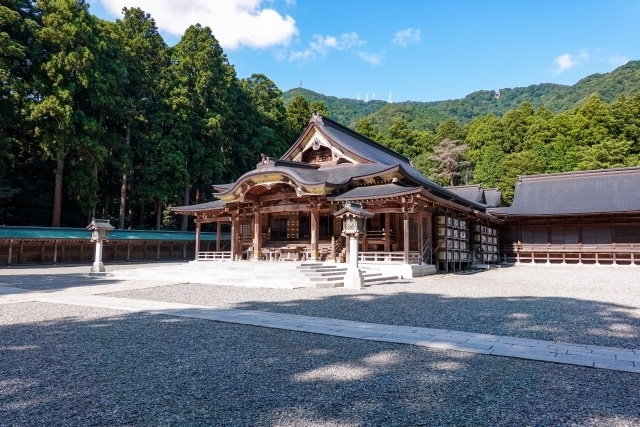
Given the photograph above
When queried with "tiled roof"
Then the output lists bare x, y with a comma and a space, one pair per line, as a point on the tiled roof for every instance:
375, 191
575, 193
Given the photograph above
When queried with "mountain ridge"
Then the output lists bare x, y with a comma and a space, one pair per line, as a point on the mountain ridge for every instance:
427, 115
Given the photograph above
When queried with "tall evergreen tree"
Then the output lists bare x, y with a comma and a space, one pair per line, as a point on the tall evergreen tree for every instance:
68, 38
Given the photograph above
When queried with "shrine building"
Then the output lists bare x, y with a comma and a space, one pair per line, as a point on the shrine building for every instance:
283, 210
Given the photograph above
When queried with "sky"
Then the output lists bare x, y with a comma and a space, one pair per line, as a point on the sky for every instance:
406, 50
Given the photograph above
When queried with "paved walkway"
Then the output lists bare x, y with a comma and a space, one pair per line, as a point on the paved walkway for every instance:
548, 351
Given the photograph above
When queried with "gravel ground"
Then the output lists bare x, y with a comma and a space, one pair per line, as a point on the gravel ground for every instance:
596, 306
61, 276
78, 366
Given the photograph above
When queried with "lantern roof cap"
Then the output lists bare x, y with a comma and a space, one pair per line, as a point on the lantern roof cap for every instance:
100, 224
353, 210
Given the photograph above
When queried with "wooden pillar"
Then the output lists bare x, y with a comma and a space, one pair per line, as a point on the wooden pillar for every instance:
158, 251
62, 251
218, 236
430, 235
315, 229
405, 235
387, 232
11, 248
42, 251
198, 228
129, 252
55, 251
234, 236
257, 235
420, 237
81, 251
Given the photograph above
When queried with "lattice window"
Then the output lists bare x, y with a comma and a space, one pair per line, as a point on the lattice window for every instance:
564, 236
628, 234
534, 235
596, 235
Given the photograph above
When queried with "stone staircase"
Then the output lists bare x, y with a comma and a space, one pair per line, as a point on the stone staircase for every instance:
285, 275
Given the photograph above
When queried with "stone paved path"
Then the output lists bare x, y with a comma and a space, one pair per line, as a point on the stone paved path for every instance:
548, 351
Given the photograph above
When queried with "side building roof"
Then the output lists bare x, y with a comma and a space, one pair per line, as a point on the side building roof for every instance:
487, 197
576, 193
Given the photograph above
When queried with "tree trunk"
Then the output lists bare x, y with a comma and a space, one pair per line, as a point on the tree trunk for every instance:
92, 214
141, 213
185, 218
158, 214
123, 185
57, 194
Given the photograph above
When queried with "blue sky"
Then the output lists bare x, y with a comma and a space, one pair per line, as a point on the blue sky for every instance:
417, 50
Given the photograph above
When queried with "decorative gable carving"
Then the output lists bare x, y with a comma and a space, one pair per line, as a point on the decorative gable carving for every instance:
317, 149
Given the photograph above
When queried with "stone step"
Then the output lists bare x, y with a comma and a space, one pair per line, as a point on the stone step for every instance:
258, 274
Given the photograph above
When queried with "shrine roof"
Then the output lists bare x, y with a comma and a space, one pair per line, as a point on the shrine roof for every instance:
492, 197
473, 193
217, 204
376, 191
358, 144
487, 197
576, 193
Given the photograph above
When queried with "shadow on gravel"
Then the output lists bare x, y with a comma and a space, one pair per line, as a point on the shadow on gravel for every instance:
52, 282
81, 366
549, 318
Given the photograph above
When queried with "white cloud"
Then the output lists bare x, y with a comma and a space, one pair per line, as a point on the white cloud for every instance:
407, 37
234, 23
567, 61
372, 57
618, 60
322, 45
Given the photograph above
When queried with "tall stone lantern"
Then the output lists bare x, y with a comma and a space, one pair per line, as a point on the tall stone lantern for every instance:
99, 234
353, 216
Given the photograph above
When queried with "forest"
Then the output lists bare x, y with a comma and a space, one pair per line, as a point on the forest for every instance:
103, 119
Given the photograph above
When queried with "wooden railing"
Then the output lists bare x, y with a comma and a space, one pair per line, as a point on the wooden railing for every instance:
612, 254
389, 257
214, 256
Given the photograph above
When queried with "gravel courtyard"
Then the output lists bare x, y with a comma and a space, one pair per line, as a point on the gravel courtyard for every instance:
70, 365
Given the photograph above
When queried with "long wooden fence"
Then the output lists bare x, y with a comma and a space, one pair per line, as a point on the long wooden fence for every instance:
603, 254
47, 245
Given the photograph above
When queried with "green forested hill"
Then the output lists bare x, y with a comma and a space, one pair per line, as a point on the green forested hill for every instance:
344, 110
427, 115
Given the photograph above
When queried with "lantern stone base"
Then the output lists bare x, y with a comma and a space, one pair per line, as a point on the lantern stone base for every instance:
97, 268
353, 278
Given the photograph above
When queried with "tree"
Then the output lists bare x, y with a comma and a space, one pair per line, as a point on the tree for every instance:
447, 161
515, 164
488, 170
298, 115
450, 129
608, 154
320, 108
68, 37
144, 57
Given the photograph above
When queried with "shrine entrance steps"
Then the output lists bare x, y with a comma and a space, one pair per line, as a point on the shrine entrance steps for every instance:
285, 275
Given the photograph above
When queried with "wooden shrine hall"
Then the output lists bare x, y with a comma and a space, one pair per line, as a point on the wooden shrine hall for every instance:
283, 209
586, 217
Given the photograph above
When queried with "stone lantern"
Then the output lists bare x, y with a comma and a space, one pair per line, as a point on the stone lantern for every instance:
353, 216
99, 234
